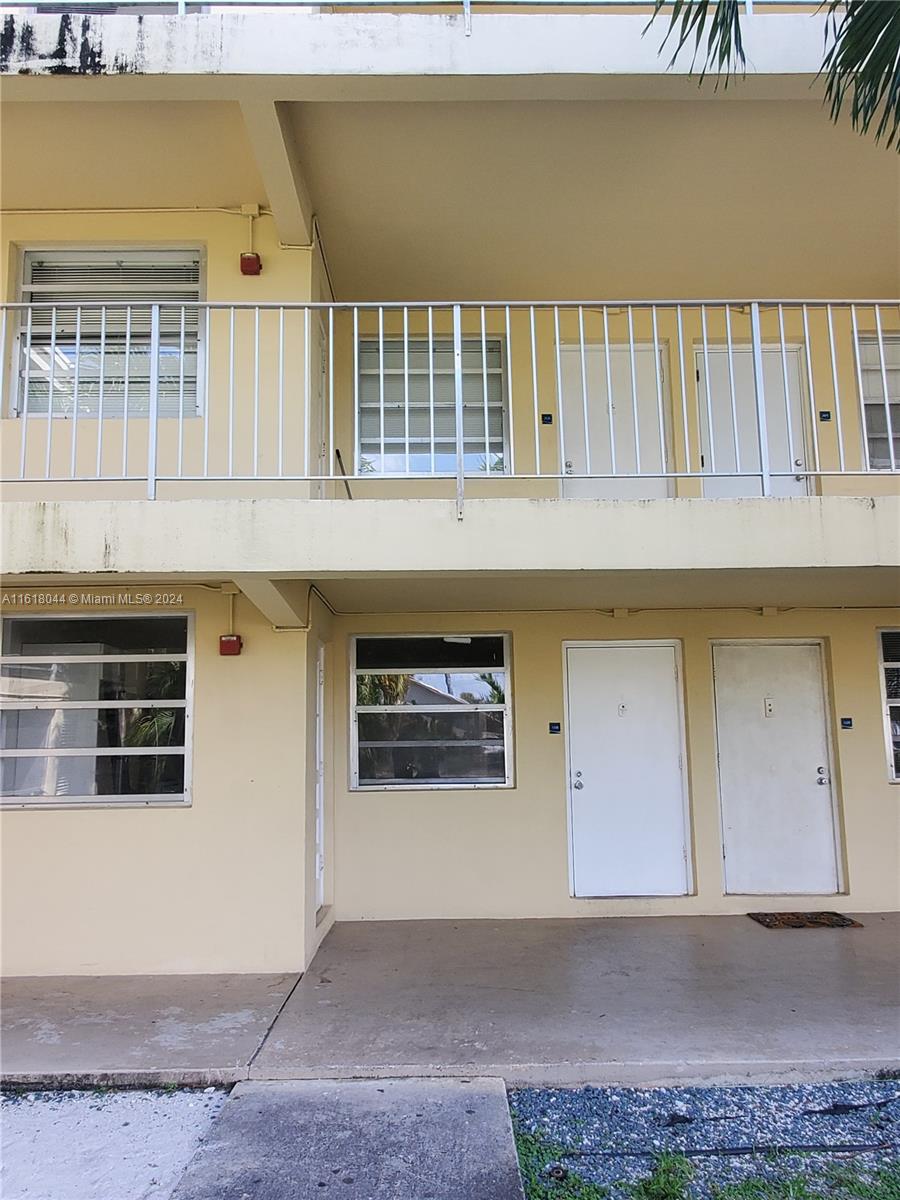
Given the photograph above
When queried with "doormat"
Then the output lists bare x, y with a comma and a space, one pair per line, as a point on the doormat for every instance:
804, 920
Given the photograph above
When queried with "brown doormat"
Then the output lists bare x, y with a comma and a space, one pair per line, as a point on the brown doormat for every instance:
804, 920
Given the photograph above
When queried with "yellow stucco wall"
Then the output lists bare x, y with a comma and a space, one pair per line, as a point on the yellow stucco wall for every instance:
504, 853
218, 886
228, 884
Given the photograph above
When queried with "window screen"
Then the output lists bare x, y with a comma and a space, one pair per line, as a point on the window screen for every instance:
87, 337
94, 709
407, 406
431, 711
890, 665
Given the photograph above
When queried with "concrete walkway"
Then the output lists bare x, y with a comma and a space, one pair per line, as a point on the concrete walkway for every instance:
68, 1031
615, 1000
393, 1139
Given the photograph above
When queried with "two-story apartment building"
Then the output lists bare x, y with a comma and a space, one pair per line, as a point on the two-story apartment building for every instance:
450, 470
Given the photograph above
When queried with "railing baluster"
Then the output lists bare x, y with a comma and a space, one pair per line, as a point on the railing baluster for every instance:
863, 431
534, 388
381, 387
331, 454
836, 387
153, 403
307, 394
889, 420
609, 393
73, 462
560, 406
510, 408
635, 414
679, 321
735, 428
458, 408
792, 452
812, 391
280, 431
125, 392
406, 388
101, 390
356, 414
660, 408
207, 409
231, 392
256, 392
711, 430
584, 393
760, 392
181, 351
50, 388
484, 395
26, 385
431, 446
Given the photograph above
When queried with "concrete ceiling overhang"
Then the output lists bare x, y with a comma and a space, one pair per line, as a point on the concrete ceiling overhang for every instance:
576, 591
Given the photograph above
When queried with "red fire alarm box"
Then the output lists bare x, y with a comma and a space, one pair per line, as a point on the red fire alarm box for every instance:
251, 263
230, 643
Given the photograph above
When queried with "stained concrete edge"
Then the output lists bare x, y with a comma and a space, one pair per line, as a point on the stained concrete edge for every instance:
612, 1074
76, 1080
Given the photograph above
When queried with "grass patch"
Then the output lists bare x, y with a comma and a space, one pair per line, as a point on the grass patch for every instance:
835, 1183
536, 1158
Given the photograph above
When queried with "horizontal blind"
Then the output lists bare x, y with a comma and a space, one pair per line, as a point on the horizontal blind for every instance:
95, 306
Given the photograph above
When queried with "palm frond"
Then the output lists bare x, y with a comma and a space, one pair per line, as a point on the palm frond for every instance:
719, 21
862, 62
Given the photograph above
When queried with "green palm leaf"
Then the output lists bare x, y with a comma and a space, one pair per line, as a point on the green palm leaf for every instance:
861, 63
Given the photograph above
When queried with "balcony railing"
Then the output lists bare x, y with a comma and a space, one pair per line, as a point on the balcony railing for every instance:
617, 400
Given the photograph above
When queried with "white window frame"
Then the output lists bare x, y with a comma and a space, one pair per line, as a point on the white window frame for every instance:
886, 705
166, 800
422, 340
414, 785
134, 251
879, 342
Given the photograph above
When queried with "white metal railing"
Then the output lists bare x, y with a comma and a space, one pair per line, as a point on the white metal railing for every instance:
465, 6
611, 400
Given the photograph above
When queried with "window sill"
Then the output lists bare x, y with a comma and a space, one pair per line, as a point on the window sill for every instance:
14, 804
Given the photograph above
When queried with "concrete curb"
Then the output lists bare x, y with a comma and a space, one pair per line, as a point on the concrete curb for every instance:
538, 1074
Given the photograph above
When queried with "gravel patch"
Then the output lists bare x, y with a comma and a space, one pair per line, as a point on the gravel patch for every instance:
100, 1145
611, 1136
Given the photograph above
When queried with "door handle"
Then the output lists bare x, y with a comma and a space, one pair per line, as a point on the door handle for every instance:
822, 780
578, 785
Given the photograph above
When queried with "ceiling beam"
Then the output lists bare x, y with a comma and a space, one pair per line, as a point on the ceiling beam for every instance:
284, 603
279, 164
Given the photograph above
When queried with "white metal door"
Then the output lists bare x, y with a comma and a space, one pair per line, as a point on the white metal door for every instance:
732, 442
320, 777
600, 399
626, 792
778, 825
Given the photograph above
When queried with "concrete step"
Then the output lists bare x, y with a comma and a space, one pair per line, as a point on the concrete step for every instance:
372, 1139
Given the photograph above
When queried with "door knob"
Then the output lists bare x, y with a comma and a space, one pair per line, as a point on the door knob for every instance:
822, 780
578, 785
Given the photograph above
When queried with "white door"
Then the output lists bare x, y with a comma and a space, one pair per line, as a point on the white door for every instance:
626, 787
730, 414
778, 823
320, 777
599, 402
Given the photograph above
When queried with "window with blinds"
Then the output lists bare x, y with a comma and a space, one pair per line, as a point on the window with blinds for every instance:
85, 342
407, 406
879, 363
